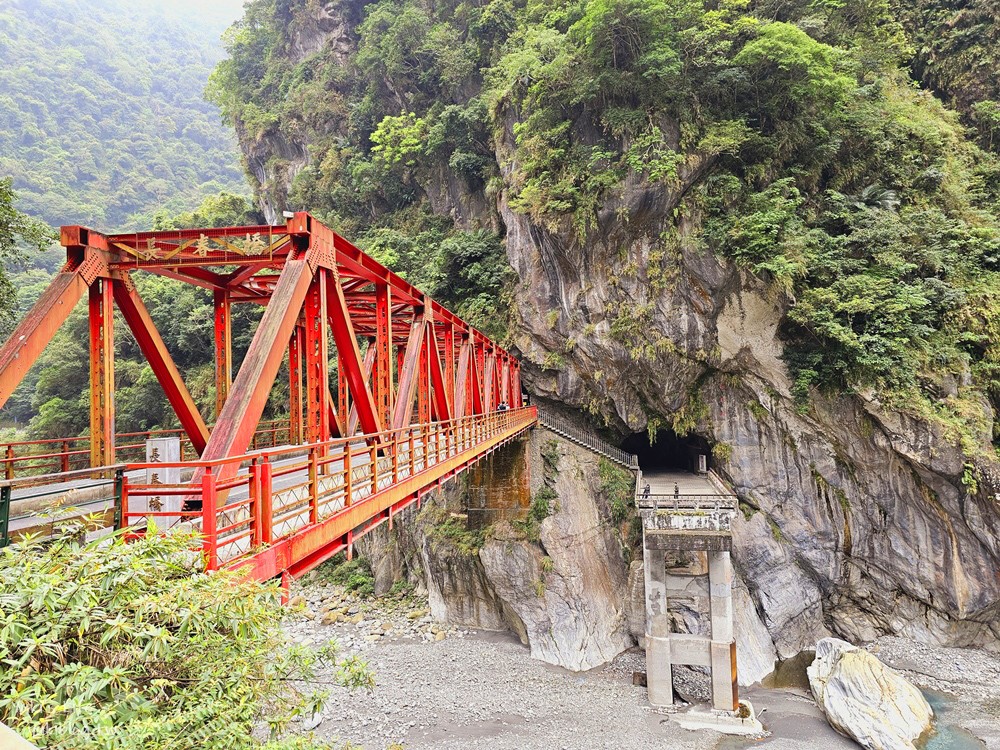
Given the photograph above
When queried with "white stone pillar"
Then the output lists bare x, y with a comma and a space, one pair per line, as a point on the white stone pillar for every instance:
720, 582
159, 450
659, 675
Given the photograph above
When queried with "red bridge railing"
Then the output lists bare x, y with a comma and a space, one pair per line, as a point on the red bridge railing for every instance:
24, 458
290, 508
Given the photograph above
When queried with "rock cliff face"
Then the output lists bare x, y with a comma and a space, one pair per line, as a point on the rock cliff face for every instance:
559, 585
856, 522
856, 518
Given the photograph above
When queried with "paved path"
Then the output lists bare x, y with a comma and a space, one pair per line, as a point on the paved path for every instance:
663, 482
87, 496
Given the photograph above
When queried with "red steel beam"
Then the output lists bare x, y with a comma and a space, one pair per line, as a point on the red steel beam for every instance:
383, 351
343, 393
151, 344
252, 386
337, 428
190, 275
440, 387
409, 375
463, 396
424, 382
505, 393
223, 349
489, 380
138, 239
476, 367
317, 357
296, 344
347, 347
102, 374
449, 363
34, 333
240, 275
366, 367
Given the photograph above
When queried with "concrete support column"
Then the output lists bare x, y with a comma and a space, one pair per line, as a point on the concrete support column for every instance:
657, 619
725, 693
720, 584
659, 675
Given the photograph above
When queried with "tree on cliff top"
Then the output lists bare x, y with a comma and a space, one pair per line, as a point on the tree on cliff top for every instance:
773, 126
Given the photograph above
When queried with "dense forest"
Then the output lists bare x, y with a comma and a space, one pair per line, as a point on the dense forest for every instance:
102, 114
105, 123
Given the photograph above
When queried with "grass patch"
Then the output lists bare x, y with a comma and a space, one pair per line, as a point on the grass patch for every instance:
453, 531
354, 575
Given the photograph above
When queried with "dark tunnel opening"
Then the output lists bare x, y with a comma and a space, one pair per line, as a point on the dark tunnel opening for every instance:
668, 451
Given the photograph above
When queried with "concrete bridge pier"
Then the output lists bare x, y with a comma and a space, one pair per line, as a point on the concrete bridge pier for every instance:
697, 544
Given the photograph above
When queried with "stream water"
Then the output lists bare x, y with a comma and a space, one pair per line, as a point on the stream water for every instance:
947, 736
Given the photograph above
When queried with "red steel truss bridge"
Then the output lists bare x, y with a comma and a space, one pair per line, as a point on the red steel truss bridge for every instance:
418, 396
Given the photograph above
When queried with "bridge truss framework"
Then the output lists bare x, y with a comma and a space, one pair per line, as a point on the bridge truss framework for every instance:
322, 295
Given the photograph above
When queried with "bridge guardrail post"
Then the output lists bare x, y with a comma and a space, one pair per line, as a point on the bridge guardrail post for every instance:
412, 457
253, 496
266, 503
373, 459
9, 468
395, 457
313, 486
119, 497
348, 471
209, 510
64, 462
4, 516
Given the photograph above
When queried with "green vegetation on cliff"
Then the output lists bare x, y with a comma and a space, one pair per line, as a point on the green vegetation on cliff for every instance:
789, 135
957, 55
17, 232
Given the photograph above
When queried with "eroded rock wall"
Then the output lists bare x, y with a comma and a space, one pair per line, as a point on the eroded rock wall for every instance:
560, 583
856, 518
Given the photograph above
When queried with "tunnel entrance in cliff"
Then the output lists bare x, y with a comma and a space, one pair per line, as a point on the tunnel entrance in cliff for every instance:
668, 451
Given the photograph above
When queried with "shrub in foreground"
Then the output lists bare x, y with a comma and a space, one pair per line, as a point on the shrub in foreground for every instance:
121, 645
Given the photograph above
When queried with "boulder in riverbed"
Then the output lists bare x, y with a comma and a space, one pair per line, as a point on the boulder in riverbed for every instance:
865, 700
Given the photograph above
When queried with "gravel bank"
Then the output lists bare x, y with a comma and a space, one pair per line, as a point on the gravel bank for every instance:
446, 688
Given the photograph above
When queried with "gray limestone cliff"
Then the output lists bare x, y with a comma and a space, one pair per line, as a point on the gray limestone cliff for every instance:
558, 583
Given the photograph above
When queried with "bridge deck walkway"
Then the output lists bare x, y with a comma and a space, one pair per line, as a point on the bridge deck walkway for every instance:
683, 490
287, 511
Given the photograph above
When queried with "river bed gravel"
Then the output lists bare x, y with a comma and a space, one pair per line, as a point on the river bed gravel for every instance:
444, 687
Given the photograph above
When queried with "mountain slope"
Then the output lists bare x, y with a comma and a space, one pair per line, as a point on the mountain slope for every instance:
102, 115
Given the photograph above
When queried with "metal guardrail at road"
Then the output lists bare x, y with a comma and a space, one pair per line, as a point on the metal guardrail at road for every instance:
566, 429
